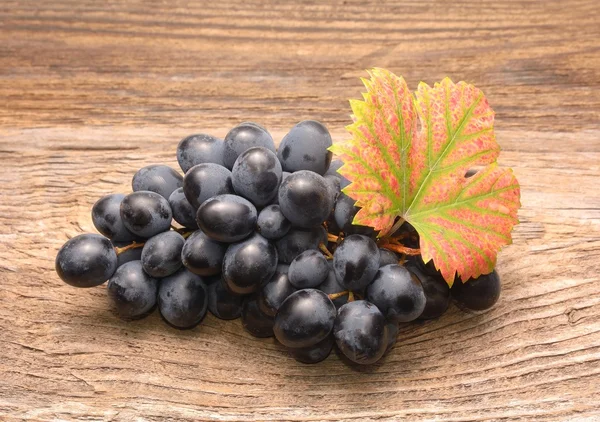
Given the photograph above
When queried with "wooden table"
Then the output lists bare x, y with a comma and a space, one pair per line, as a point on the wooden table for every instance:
91, 91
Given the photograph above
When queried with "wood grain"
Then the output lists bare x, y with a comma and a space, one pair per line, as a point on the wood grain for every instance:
90, 92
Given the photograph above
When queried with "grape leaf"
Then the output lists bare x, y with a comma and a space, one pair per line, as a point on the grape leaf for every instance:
408, 158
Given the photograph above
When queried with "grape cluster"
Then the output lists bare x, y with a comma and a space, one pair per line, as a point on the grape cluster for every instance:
264, 234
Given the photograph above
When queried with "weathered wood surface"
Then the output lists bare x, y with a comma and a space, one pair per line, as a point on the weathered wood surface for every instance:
91, 91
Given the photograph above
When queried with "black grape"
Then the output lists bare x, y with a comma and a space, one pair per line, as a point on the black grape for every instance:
242, 137
361, 332
333, 169
477, 294
277, 290
183, 212
314, 354
308, 270
161, 255
355, 261
106, 216
222, 303
146, 213
183, 299
157, 178
344, 214
437, 292
330, 286
203, 255
272, 224
304, 319
86, 260
249, 264
256, 175
305, 147
204, 181
227, 218
199, 149
393, 329
254, 320
305, 199
333, 187
133, 254
299, 240
397, 293
132, 291
387, 257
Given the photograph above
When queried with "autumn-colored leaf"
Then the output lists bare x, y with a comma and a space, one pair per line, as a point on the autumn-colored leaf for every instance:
408, 158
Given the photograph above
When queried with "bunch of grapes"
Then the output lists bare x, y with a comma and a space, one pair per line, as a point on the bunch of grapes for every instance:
265, 235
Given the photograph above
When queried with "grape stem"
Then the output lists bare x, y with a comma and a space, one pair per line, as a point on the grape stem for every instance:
325, 251
185, 235
334, 296
133, 245
350, 296
332, 237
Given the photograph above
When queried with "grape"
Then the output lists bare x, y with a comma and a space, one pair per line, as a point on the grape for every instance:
256, 175
106, 216
272, 224
304, 319
437, 292
157, 178
203, 255
333, 169
132, 291
387, 257
277, 290
305, 147
249, 264
305, 199
204, 181
242, 137
86, 260
315, 353
199, 149
183, 212
299, 240
254, 320
183, 299
393, 329
133, 254
146, 213
308, 270
361, 332
227, 218
397, 293
330, 286
355, 262
477, 294
333, 187
222, 303
344, 214
161, 255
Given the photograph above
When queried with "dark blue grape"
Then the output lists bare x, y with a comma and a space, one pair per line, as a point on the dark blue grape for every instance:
256, 175
344, 215
316, 353
305, 147
299, 240
272, 224
330, 286
199, 149
308, 270
146, 213
183, 212
161, 255
204, 181
157, 178
222, 303
203, 255
387, 257
355, 262
393, 329
106, 216
333, 187
254, 320
131, 291
437, 292
277, 290
477, 294
86, 260
361, 332
333, 168
242, 137
227, 218
249, 264
304, 199
183, 299
304, 319
397, 293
